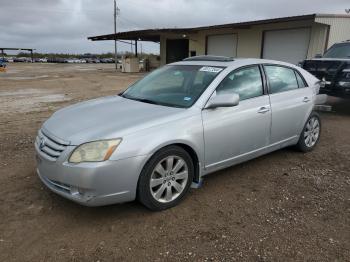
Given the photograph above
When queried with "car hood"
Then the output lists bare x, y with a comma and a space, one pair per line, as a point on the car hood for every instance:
106, 118
330, 59
325, 67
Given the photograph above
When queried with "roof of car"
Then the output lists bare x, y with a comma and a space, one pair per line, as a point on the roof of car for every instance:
210, 58
227, 61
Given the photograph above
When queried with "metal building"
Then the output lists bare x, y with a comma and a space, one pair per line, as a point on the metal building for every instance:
290, 39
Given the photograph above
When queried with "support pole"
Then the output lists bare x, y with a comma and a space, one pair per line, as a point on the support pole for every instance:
136, 48
115, 36
31, 55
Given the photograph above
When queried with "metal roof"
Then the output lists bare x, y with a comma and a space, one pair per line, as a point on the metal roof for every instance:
18, 49
154, 34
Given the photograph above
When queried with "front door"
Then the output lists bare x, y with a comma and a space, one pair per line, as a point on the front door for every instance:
176, 50
231, 133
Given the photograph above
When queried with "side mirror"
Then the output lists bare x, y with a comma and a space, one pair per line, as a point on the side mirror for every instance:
223, 100
318, 56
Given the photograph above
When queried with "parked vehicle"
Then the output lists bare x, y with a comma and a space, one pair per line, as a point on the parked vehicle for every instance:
22, 59
174, 126
55, 60
88, 60
107, 60
3, 62
333, 68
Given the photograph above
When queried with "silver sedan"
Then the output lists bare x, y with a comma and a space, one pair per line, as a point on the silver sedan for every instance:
176, 125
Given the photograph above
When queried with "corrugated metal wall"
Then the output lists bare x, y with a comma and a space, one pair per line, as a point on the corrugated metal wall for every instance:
339, 30
250, 40
317, 40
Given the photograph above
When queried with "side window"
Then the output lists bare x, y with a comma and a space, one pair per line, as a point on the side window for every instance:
301, 81
246, 82
280, 79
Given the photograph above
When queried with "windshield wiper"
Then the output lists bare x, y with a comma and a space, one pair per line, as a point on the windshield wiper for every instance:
145, 100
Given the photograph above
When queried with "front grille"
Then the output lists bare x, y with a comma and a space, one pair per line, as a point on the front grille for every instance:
324, 70
50, 147
317, 66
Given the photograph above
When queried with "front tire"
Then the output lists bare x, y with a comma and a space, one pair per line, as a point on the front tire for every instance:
310, 135
166, 178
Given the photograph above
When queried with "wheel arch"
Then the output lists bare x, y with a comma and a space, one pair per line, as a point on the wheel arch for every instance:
189, 149
194, 157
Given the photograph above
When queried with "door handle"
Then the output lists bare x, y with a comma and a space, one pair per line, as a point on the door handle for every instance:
306, 99
263, 110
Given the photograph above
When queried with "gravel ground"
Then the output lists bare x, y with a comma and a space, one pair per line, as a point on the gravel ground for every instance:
285, 206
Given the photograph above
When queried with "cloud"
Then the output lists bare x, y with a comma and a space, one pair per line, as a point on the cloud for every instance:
63, 25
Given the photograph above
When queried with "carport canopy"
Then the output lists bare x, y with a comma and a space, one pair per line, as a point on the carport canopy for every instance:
152, 35
2, 49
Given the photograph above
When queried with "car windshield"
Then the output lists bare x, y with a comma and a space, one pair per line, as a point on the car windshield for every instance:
173, 85
338, 51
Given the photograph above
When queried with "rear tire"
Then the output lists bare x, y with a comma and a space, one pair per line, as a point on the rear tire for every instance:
310, 135
166, 178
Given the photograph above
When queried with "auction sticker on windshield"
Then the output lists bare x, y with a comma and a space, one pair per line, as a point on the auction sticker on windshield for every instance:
210, 69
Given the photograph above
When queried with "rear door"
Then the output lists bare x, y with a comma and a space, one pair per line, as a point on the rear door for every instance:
233, 132
291, 102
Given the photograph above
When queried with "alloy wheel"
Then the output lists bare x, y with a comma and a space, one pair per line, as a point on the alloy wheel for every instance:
312, 132
169, 179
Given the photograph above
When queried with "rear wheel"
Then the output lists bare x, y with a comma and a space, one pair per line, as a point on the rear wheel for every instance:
166, 178
310, 134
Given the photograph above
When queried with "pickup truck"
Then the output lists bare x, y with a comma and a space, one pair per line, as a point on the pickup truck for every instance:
333, 69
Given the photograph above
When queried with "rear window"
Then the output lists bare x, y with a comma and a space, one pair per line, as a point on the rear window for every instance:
300, 79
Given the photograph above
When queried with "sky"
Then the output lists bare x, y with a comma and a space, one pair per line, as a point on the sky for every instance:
63, 26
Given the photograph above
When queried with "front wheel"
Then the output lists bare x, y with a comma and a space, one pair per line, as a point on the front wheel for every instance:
310, 134
166, 178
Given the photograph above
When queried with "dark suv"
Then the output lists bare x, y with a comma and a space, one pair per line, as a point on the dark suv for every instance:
333, 68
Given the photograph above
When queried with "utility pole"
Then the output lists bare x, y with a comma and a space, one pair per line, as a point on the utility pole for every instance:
116, 12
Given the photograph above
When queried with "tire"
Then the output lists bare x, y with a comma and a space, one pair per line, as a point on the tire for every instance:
309, 137
161, 187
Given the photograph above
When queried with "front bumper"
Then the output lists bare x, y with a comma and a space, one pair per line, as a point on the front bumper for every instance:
92, 184
338, 89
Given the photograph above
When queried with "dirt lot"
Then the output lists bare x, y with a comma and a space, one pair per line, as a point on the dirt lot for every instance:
285, 206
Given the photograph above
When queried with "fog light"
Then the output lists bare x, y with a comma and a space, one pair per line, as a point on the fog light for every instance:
74, 191
77, 191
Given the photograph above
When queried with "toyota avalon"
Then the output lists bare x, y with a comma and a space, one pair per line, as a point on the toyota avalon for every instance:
165, 132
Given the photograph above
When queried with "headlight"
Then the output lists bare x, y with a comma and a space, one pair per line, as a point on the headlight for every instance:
96, 151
